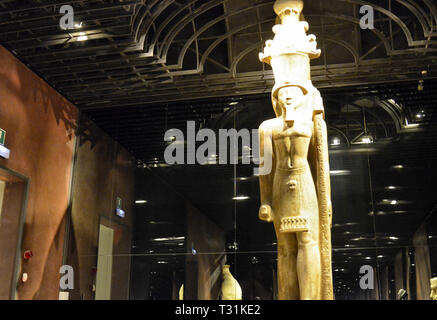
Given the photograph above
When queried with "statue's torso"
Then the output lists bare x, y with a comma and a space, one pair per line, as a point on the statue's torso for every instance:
294, 195
291, 142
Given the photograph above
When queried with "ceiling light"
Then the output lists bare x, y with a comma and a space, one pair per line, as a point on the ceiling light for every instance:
241, 198
234, 103
394, 202
335, 142
399, 166
363, 138
421, 114
340, 172
141, 201
82, 36
241, 179
367, 139
169, 239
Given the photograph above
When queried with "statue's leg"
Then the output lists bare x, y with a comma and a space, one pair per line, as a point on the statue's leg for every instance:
288, 285
308, 263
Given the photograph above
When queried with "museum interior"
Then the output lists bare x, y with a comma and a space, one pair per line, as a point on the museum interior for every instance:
92, 94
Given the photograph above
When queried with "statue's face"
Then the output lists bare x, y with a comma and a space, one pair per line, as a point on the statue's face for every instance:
289, 98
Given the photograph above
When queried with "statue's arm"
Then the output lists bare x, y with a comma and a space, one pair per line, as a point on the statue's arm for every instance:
267, 165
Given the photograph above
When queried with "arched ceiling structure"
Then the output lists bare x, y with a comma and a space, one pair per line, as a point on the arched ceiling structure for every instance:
151, 51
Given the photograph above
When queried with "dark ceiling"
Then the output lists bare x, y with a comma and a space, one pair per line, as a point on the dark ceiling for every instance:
136, 67
149, 66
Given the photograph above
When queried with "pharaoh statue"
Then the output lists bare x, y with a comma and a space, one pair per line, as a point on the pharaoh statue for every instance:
295, 193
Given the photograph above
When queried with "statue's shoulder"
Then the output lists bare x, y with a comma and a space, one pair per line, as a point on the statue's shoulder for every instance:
271, 124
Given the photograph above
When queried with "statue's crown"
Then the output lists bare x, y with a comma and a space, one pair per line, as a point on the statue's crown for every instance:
290, 35
291, 49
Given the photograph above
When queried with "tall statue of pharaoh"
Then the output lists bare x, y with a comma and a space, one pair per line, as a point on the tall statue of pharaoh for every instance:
295, 194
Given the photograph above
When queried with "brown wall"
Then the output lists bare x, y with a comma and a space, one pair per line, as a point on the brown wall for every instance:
10, 224
103, 172
40, 124
41, 128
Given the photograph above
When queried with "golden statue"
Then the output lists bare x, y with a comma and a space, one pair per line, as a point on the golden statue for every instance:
295, 194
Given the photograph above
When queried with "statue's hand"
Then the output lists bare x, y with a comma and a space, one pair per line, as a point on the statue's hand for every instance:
266, 213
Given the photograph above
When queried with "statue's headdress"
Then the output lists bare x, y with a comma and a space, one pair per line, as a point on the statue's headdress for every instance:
289, 53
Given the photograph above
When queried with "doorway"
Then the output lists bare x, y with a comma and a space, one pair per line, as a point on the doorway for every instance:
104, 263
14, 189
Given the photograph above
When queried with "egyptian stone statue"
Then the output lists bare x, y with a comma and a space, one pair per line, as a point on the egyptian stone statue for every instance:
295, 193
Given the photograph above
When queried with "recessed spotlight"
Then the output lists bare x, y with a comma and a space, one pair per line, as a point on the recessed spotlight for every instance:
82, 36
241, 198
340, 172
335, 142
399, 166
169, 239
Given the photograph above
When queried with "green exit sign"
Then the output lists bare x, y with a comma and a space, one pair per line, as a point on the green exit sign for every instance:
2, 136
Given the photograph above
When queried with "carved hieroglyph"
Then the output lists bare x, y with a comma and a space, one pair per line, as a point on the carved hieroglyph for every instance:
295, 195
